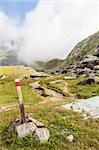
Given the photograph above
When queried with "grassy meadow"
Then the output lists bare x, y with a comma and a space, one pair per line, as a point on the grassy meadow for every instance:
59, 121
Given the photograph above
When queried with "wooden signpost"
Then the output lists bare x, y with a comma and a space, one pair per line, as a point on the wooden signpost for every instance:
21, 104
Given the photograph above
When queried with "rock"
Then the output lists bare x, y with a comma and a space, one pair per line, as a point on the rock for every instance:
90, 80
83, 71
38, 74
40, 88
85, 65
64, 71
42, 135
30, 127
65, 131
70, 138
87, 81
25, 129
69, 78
55, 82
96, 67
96, 78
36, 122
34, 85
90, 59
2, 77
97, 52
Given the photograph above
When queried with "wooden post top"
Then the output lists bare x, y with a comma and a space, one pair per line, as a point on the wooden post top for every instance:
17, 81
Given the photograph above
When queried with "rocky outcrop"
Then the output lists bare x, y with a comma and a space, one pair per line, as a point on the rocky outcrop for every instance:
84, 48
85, 55
30, 127
90, 64
38, 74
90, 80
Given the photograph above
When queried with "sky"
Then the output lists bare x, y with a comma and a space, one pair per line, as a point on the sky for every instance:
49, 28
17, 7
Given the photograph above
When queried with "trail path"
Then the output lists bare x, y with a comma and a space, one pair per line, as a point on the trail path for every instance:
50, 96
7, 107
53, 95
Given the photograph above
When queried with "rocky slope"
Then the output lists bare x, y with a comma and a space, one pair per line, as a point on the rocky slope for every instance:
83, 53
48, 65
84, 58
83, 48
89, 64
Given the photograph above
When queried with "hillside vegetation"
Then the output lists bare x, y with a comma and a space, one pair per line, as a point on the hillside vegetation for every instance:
48, 110
15, 71
83, 48
48, 65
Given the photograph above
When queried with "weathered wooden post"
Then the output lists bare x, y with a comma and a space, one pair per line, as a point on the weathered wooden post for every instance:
21, 104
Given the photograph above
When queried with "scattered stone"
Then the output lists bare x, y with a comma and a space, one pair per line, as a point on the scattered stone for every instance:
25, 129
42, 135
96, 78
69, 78
87, 81
97, 52
70, 138
65, 131
64, 71
96, 67
38, 124
90, 59
38, 74
34, 85
2, 77
90, 80
40, 88
56, 81
86, 116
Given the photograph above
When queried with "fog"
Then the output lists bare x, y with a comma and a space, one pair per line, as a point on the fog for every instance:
51, 29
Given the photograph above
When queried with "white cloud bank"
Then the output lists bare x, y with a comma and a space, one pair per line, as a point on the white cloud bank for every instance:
52, 28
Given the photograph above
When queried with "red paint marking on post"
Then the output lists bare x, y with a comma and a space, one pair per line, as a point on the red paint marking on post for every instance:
21, 104
17, 83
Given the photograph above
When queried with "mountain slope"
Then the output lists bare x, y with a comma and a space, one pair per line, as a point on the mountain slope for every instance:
9, 52
48, 65
82, 49
79, 52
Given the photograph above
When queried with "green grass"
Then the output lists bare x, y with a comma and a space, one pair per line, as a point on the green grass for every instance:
58, 89
8, 92
85, 134
15, 71
83, 91
55, 118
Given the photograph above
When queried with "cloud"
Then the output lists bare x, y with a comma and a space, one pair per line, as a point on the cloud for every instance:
52, 28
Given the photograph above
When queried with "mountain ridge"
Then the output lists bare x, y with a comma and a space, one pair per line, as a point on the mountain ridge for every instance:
80, 51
